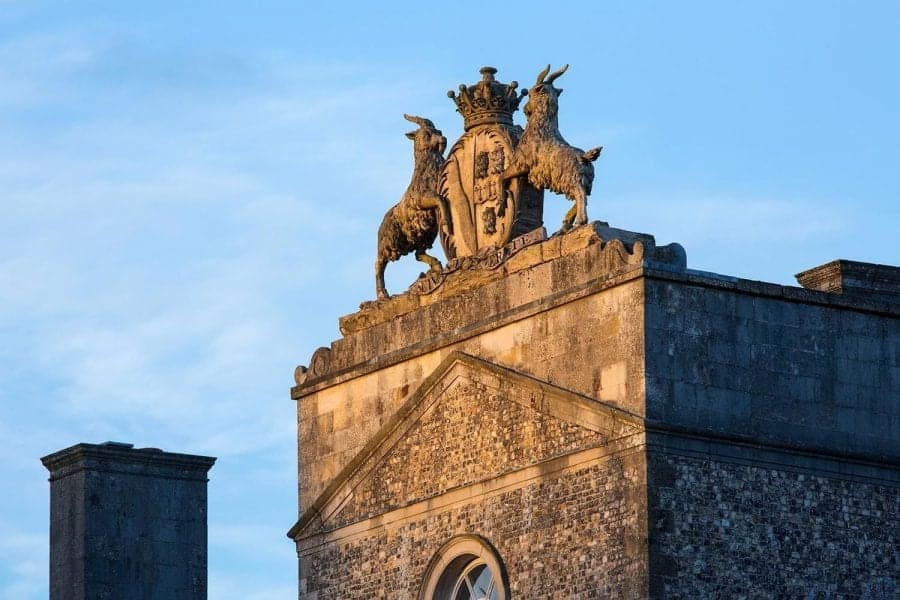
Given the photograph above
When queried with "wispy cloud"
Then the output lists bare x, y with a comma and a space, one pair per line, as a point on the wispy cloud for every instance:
163, 251
23, 570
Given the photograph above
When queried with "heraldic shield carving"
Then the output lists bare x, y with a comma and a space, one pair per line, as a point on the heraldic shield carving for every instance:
470, 178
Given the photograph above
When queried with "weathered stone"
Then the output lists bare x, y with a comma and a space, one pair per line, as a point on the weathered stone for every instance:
127, 523
412, 224
545, 158
484, 215
855, 278
489, 191
472, 273
528, 257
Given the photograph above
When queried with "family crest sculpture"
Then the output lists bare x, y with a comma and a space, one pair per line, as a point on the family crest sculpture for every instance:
490, 189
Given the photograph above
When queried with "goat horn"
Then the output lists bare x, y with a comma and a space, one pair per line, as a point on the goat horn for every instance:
556, 74
413, 119
542, 74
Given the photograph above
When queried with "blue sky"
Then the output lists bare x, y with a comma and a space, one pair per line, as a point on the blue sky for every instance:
189, 195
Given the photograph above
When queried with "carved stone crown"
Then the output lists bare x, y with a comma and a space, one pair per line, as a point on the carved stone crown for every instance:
488, 101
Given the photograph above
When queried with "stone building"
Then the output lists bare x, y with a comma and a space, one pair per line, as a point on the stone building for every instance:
585, 417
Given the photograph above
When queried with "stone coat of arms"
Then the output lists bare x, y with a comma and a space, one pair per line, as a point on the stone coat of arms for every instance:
470, 179
489, 191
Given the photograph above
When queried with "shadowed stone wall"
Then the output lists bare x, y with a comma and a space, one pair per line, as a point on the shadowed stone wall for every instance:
127, 523
731, 522
763, 362
778, 467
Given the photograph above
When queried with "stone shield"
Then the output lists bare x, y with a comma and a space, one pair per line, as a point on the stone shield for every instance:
470, 182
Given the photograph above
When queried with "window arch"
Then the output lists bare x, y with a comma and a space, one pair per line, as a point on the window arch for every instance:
465, 568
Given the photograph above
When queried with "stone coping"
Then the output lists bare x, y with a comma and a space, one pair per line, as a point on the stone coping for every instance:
597, 284
123, 458
465, 274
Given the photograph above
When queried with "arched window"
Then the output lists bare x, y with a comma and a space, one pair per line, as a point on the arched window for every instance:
475, 583
465, 568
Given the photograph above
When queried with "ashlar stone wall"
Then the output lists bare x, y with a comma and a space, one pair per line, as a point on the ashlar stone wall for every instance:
765, 363
127, 523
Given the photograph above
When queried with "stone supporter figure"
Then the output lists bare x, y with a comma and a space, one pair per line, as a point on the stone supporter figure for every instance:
412, 224
546, 158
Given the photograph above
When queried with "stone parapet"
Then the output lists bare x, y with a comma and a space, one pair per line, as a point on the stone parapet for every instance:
486, 289
115, 457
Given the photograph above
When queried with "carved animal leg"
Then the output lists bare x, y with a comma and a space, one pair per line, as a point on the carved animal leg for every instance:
432, 262
379, 280
504, 187
580, 208
437, 202
569, 218
503, 184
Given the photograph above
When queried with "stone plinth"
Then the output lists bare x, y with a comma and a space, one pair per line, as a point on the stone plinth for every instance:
127, 523
609, 421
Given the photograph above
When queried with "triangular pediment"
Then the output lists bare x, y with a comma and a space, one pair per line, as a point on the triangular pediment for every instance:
469, 421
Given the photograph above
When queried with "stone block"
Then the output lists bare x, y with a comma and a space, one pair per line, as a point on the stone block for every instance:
525, 258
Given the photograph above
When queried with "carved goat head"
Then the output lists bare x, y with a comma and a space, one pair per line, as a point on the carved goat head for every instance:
542, 97
427, 138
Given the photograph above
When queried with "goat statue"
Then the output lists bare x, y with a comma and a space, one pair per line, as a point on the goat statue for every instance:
412, 224
546, 158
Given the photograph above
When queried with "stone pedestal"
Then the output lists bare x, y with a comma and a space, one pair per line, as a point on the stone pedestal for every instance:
127, 523
591, 418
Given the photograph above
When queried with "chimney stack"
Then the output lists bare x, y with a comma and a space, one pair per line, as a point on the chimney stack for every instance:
127, 523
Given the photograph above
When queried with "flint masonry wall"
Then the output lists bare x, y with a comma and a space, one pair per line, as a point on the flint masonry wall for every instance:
732, 521
571, 525
127, 523
569, 535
